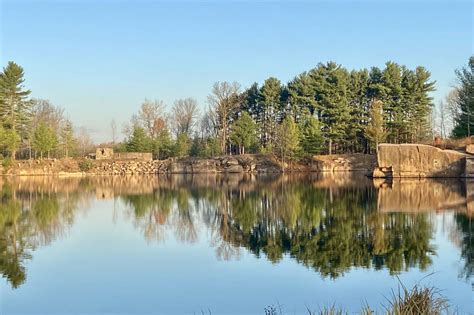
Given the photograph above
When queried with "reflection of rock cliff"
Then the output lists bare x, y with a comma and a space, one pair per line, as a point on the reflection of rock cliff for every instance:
417, 160
415, 195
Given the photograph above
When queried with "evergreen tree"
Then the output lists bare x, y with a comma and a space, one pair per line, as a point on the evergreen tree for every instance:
464, 124
312, 139
139, 141
301, 97
332, 89
182, 144
391, 96
243, 132
14, 103
359, 109
9, 139
251, 101
163, 145
375, 131
270, 109
287, 139
44, 139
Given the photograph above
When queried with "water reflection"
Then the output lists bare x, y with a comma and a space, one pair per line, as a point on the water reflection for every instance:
328, 223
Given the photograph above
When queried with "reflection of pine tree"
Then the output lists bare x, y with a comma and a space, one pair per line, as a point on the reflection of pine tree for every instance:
27, 220
466, 227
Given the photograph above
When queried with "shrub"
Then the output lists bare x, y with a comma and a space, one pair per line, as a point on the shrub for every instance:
85, 165
7, 162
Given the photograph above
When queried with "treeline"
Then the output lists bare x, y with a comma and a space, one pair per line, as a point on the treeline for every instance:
328, 109
34, 128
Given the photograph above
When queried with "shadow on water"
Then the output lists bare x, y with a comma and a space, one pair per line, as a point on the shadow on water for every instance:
329, 223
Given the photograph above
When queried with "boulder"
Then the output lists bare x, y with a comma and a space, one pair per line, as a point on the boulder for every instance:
417, 160
234, 169
470, 148
203, 166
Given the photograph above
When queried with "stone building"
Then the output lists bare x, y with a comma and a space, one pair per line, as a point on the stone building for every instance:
104, 153
108, 154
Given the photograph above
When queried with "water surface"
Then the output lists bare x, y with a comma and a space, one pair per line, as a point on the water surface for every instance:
229, 244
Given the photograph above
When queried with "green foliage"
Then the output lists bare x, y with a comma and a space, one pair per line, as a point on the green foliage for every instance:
139, 141
14, 104
163, 145
7, 162
312, 139
9, 140
464, 123
44, 139
270, 109
375, 130
182, 145
243, 132
85, 165
340, 101
287, 136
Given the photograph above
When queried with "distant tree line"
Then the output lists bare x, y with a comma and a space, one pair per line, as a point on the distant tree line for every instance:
328, 109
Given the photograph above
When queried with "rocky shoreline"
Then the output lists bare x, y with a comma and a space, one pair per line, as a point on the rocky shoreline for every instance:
251, 163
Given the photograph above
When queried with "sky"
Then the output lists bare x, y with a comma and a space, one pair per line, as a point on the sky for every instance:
100, 59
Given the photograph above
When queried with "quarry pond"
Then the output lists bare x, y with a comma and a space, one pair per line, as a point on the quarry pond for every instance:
230, 244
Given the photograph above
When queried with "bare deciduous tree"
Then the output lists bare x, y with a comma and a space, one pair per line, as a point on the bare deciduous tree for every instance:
113, 127
184, 115
224, 101
150, 112
84, 140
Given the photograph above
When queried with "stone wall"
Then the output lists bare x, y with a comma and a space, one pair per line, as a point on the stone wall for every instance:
418, 160
104, 153
226, 164
343, 162
141, 156
249, 163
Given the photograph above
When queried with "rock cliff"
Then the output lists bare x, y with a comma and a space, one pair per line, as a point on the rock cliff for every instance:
418, 160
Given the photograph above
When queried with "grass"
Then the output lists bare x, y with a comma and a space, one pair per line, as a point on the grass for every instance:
418, 300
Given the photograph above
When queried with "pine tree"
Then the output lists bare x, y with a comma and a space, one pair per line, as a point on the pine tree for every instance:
182, 145
9, 139
464, 124
14, 103
375, 130
139, 141
312, 139
332, 89
287, 139
243, 132
270, 104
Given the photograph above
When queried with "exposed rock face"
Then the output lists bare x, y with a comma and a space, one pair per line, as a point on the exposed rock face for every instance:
418, 160
470, 148
343, 162
224, 164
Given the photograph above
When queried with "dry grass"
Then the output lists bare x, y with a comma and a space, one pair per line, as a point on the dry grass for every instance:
418, 300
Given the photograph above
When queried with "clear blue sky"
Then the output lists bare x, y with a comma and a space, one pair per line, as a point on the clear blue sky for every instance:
100, 59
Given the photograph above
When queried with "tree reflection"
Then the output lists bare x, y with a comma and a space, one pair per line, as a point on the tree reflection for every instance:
29, 219
466, 229
328, 225
327, 229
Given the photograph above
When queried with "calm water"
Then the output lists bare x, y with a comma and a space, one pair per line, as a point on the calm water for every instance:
229, 245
